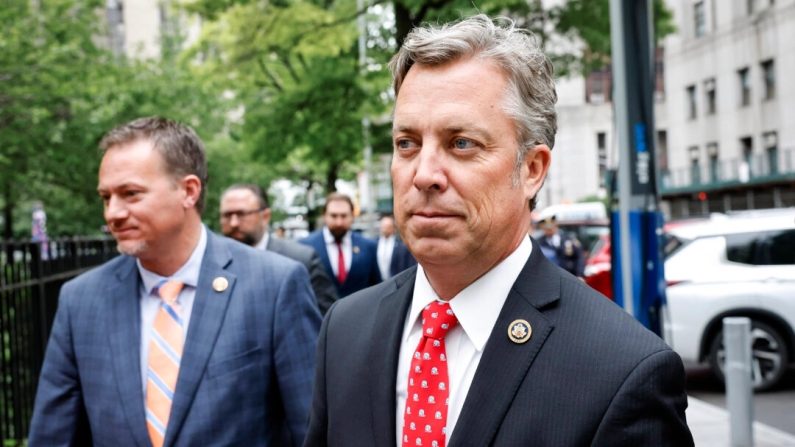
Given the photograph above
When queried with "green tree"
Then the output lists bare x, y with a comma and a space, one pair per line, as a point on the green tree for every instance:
59, 93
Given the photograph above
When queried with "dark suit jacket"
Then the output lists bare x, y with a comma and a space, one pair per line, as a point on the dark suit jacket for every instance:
246, 371
324, 288
401, 257
364, 265
589, 375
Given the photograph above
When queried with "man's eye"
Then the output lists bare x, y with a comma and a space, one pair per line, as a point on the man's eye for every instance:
404, 143
463, 143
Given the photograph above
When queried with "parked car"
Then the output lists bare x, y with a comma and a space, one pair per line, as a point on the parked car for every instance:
739, 265
742, 264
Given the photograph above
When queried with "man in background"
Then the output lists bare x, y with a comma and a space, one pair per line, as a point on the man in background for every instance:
393, 256
246, 215
349, 257
187, 338
561, 248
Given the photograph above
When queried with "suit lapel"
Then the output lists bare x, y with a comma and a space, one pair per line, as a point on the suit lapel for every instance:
389, 322
505, 364
124, 335
209, 308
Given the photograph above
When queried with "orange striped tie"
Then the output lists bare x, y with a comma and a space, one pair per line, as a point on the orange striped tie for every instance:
165, 352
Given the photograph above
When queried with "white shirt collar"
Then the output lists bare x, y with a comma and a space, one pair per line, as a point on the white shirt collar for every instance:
478, 306
263, 242
188, 273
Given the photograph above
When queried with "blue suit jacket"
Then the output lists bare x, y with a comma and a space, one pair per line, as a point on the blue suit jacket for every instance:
246, 371
401, 258
364, 265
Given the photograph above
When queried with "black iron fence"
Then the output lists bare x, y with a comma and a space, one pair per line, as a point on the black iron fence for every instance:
31, 275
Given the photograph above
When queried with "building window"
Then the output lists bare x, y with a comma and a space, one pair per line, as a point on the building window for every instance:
709, 93
751, 6
601, 155
695, 169
597, 86
769, 78
659, 73
691, 102
770, 140
714, 166
745, 86
747, 162
699, 21
662, 150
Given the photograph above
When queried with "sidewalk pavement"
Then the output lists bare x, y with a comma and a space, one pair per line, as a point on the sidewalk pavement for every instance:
710, 427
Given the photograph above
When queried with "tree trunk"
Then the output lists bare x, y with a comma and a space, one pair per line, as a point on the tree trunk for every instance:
403, 22
8, 213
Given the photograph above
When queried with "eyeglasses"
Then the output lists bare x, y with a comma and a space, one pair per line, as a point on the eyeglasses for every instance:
228, 215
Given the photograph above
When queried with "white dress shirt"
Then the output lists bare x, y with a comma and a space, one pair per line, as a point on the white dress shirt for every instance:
150, 301
386, 245
477, 308
333, 251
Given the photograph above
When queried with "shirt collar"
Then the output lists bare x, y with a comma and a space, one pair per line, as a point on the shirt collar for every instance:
478, 306
188, 273
263, 242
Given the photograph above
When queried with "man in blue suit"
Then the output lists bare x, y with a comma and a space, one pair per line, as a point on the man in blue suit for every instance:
393, 255
186, 339
350, 258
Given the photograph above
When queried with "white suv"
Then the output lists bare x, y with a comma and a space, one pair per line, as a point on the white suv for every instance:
735, 265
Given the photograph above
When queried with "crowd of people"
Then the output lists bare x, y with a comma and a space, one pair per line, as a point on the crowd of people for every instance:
457, 332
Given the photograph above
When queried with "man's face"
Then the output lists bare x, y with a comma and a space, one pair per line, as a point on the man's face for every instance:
387, 226
338, 218
144, 206
457, 200
241, 217
549, 228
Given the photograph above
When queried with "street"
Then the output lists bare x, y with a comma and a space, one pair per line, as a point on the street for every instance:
775, 408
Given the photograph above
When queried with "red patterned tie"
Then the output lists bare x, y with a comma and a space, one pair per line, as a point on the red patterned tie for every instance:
425, 416
341, 273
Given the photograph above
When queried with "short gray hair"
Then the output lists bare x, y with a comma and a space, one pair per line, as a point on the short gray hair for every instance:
182, 150
531, 95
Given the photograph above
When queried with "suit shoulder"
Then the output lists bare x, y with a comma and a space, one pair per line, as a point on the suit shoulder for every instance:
602, 323
299, 252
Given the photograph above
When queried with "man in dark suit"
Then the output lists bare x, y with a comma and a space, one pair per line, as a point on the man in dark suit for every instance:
393, 255
485, 343
349, 257
561, 248
186, 339
246, 215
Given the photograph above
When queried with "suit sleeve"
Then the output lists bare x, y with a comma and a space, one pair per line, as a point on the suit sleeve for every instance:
318, 417
295, 336
325, 291
59, 416
649, 407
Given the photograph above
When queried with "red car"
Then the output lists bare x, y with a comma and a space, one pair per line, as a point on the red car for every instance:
598, 267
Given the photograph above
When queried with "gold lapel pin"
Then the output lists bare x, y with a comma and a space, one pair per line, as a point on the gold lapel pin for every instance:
519, 331
220, 284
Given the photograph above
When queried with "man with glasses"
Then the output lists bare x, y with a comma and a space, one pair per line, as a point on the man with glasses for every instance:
246, 215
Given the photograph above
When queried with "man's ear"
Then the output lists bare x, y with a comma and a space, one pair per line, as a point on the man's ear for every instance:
536, 165
193, 189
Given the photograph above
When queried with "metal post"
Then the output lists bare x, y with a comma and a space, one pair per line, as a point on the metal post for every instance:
739, 389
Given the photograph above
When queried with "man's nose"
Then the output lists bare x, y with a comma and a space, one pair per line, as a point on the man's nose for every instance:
115, 209
430, 170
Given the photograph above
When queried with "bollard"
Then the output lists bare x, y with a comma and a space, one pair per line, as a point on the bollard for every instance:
739, 388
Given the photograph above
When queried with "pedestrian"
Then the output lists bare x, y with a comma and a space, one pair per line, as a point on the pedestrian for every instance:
349, 258
393, 255
246, 216
485, 342
561, 248
187, 338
